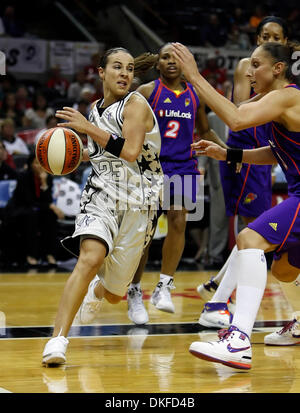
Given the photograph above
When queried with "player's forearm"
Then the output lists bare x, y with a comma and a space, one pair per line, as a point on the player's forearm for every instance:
211, 135
226, 110
116, 145
259, 156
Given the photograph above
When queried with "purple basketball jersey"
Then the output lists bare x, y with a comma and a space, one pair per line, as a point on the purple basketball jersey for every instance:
248, 193
285, 146
281, 224
176, 116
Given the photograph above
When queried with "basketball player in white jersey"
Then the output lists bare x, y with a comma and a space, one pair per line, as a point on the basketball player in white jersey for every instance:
119, 202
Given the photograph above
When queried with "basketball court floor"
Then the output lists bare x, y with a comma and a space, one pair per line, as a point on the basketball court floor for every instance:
115, 356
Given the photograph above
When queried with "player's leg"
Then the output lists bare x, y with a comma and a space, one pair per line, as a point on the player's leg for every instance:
250, 269
91, 257
289, 334
207, 289
137, 312
172, 250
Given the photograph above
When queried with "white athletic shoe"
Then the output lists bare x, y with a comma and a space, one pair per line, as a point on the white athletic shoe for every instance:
161, 296
207, 290
215, 315
136, 310
289, 335
55, 351
90, 307
233, 350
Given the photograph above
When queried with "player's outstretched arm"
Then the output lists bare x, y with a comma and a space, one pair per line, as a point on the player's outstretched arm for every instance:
259, 156
268, 108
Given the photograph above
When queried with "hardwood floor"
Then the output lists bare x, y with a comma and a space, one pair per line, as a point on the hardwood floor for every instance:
115, 356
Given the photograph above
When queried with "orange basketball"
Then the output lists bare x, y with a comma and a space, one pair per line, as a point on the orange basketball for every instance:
59, 151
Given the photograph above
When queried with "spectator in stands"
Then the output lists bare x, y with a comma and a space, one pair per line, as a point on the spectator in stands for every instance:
257, 16
2, 28
212, 79
13, 26
6, 171
36, 116
237, 40
293, 21
13, 144
9, 109
91, 70
214, 33
75, 88
57, 82
86, 99
51, 122
98, 86
238, 18
7, 84
83, 107
23, 101
32, 215
212, 70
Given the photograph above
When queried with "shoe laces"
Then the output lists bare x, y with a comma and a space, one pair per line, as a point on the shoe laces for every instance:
164, 288
211, 285
288, 327
93, 306
225, 333
222, 333
136, 296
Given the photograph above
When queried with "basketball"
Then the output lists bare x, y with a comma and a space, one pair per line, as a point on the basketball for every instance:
59, 151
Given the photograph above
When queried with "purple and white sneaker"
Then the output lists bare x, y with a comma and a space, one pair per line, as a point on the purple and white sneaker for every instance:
215, 315
289, 335
233, 350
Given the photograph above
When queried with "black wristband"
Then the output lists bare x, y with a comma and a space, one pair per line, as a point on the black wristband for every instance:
115, 144
234, 155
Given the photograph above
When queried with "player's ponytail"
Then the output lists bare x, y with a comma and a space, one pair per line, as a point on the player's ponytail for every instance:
144, 62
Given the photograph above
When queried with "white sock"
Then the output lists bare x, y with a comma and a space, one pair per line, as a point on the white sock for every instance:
218, 278
251, 270
165, 278
229, 281
135, 285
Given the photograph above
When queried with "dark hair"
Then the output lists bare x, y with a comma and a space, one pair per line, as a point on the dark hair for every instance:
30, 158
104, 58
35, 99
273, 19
144, 62
50, 117
282, 53
147, 61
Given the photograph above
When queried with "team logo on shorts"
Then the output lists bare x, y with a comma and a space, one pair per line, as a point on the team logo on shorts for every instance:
86, 220
249, 198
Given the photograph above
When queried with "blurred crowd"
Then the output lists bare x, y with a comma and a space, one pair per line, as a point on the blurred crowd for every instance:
35, 208
27, 109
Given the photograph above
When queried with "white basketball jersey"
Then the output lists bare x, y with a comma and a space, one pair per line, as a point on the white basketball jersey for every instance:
135, 183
